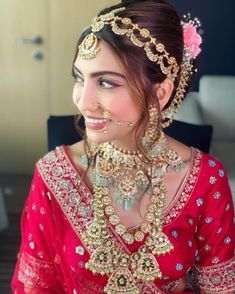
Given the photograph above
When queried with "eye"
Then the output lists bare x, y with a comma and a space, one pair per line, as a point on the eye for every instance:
106, 84
77, 78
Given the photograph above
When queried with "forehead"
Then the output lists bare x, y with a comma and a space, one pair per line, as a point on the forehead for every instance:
105, 60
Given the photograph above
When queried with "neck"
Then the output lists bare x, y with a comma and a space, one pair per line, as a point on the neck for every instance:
128, 146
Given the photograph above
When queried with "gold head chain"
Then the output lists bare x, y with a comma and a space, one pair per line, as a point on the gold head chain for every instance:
89, 47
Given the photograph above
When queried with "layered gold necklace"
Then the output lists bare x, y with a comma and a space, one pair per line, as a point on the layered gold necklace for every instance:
130, 175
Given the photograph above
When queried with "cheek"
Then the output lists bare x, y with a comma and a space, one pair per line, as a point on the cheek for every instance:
126, 108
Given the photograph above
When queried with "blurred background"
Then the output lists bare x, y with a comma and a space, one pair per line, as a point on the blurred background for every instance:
38, 40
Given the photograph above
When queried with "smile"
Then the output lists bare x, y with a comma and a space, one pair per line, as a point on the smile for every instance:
96, 121
96, 124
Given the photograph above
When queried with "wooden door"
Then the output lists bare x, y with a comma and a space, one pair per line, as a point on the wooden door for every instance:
23, 84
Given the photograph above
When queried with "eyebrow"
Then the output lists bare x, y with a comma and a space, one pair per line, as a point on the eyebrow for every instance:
101, 73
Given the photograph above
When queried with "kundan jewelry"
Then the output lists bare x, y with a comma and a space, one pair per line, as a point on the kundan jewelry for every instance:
125, 168
124, 26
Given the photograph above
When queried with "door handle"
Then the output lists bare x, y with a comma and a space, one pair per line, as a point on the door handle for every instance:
37, 55
37, 40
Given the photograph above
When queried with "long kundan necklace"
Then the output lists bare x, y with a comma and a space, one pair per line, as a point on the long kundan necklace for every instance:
130, 175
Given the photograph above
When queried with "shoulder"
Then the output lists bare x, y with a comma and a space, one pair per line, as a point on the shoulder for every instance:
205, 170
62, 154
60, 164
51, 167
51, 158
184, 151
209, 164
213, 182
212, 166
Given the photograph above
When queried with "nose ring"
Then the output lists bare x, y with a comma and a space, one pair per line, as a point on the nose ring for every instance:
106, 112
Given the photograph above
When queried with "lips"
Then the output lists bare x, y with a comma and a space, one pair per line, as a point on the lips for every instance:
95, 123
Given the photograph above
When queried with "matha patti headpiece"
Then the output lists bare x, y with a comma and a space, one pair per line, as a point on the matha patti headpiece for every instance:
124, 26
154, 50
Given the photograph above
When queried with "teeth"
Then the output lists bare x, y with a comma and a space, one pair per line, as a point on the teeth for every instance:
95, 120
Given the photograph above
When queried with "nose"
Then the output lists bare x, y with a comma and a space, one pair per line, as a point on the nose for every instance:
84, 96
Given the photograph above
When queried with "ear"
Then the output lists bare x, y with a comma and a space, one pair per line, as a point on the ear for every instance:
164, 91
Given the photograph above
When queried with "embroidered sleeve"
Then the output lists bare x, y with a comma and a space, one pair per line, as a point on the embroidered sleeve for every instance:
35, 266
216, 278
214, 269
34, 272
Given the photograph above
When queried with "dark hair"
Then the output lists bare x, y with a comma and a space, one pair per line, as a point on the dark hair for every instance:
164, 24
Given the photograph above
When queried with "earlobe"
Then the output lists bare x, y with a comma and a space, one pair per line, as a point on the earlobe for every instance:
164, 91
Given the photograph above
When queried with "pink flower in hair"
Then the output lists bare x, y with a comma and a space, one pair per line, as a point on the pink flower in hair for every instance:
192, 40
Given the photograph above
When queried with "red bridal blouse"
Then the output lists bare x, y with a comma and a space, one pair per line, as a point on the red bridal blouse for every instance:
199, 223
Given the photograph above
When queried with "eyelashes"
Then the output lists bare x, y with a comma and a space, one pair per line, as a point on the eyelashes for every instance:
107, 84
101, 82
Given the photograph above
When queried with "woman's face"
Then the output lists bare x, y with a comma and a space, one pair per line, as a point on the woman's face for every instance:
100, 84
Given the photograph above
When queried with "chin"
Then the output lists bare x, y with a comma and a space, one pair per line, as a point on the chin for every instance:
98, 137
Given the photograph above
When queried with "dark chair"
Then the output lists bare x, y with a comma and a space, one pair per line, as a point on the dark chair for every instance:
61, 131
198, 136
